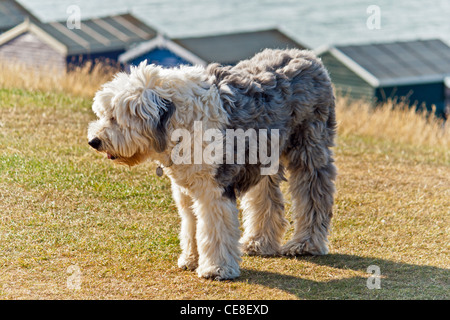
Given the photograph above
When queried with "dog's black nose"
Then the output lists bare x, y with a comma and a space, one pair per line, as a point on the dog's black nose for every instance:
95, 143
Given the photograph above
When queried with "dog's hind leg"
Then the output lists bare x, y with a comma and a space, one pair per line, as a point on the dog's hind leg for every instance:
189, 255
311, 184
263, 215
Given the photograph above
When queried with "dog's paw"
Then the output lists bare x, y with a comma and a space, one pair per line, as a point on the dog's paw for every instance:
259, 247
218, 272
187, 263
299, 248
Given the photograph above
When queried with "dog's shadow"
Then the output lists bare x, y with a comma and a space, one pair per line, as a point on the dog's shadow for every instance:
396, 280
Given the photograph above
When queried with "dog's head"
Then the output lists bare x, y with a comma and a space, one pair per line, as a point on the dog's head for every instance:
133, 113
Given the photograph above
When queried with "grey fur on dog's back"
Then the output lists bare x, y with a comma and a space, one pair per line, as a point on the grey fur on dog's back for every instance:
274, 88
288, 90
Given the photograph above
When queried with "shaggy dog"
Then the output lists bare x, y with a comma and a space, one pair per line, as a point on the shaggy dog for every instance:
284, 90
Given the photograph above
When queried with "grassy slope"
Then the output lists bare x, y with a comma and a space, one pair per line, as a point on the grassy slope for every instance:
63, 205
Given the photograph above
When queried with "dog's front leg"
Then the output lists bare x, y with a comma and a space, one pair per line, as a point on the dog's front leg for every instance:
217, 235
189, 255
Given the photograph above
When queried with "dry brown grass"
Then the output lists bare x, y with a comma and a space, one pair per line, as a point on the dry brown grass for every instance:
391, 121
81, 81
64, 205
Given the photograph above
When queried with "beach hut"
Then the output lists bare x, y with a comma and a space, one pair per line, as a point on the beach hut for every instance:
12, 14
226, 49
36, 44
161, 51
414, 72
229, 49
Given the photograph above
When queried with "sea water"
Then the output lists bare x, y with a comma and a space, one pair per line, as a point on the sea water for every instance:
313, 23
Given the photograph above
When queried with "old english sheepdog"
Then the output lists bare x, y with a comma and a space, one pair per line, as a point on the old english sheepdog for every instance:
287, 92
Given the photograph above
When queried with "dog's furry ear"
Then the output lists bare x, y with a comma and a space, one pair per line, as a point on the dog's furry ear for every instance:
160, 133
158, 112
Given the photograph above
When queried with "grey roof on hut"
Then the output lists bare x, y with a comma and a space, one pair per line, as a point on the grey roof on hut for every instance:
12, 14
231, 48
96, 35
396, 63
100, 34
